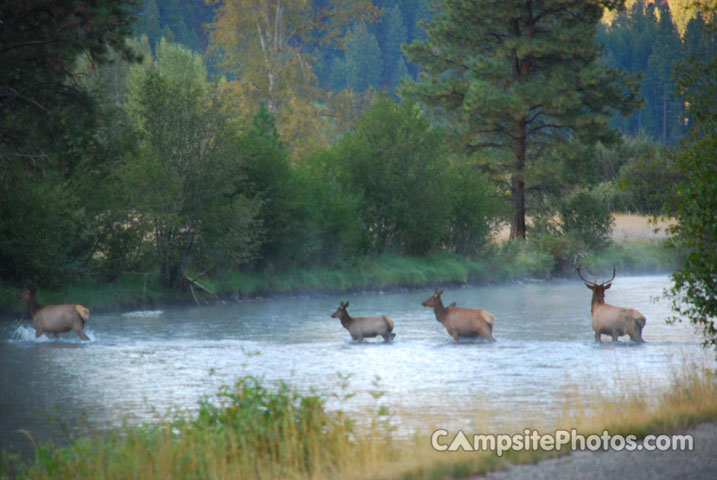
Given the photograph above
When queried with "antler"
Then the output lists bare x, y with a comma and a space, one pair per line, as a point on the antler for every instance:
577, 267
580, 264
613, 275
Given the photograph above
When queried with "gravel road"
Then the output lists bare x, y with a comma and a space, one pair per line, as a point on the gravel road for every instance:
701, 463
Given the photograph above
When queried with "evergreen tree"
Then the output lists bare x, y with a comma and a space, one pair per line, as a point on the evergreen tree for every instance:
392, 54
662, 107
519, 78
363, 55
48, 122
149, 22
693, 201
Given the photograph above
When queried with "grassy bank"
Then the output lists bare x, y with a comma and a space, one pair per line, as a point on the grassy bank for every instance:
509, 262
250, 432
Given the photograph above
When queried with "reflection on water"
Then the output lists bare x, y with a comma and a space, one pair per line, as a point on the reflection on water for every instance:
139, 364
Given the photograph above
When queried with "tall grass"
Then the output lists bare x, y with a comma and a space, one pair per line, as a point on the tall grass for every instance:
248, 431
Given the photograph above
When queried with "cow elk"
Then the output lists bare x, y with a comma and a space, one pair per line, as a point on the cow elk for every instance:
364, 327
461, 322
55, 319
611, 320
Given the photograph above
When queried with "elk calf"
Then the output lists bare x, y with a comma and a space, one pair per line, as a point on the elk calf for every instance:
364, 327
610, 320
55, 319
461, 322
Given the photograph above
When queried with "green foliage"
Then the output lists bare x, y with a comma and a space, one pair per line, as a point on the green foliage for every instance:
645, 181
246, 431
647, 39
41, 232
183, 182
362, 60
395, 35
40, 42
333, 210
49, 135
694, 200
269, 178
474, 207
395, 160
521, 78
664, 111
586, 217
263, 420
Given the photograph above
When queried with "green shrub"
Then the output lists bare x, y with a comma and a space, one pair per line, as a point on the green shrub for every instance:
586, 218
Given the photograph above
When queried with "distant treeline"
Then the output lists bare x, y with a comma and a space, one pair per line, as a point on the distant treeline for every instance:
146, 155
647, 37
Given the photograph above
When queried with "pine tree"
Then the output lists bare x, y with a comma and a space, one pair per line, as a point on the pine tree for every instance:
519, 77
662, 107
363, 66
394, 38
149, 23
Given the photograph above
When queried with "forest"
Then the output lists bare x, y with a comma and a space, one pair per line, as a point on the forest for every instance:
178, 142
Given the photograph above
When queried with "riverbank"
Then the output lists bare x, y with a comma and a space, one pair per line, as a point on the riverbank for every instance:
504, 263
250, 431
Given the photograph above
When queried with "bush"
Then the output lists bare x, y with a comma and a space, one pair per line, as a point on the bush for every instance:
474, 208
395, 161
644, 182
586, 218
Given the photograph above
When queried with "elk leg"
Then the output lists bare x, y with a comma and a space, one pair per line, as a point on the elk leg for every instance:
455, 336
80, 333
597, 337
38, 332
614, 337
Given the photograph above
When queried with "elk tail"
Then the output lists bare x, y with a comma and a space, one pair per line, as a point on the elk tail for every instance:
84, 313
390, 328
490, 319
641, 321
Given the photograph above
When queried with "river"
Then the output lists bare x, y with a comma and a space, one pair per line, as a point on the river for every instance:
139, 365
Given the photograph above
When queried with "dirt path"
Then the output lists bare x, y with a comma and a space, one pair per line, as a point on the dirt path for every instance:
701, 463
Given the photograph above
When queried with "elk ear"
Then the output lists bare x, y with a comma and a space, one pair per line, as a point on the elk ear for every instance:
439, 292
591, 287
608, 285
347, 304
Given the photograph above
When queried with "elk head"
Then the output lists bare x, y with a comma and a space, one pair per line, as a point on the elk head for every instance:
341, 310
597, 289
27, 294
434, 300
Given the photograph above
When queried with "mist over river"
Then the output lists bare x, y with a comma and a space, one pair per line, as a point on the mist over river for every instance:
139, 365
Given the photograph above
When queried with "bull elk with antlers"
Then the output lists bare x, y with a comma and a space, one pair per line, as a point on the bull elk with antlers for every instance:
611, 320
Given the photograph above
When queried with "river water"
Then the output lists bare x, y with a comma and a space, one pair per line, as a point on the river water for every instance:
139, 365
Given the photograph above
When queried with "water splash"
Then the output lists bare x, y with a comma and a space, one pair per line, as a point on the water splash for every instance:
26, 333
143, 313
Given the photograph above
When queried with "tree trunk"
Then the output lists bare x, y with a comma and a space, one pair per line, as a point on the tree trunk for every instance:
517, 184
664, 118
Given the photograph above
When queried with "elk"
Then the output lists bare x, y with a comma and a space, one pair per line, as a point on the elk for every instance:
364, 327
461, 322
610, 320
55, 319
